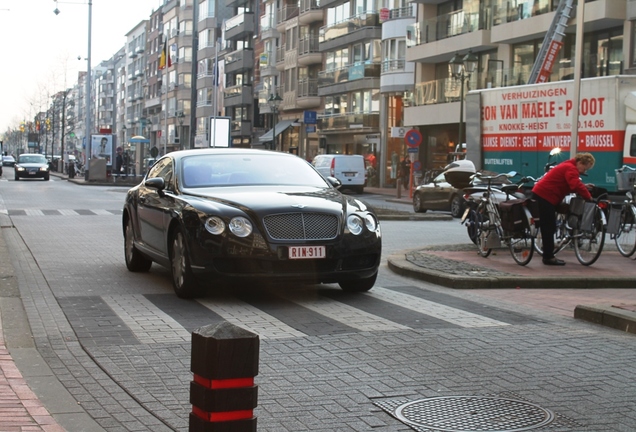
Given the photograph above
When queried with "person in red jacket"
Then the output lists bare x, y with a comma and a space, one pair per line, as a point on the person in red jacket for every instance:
560, 181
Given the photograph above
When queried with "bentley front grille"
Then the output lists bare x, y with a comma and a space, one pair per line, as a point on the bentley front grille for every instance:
301, 226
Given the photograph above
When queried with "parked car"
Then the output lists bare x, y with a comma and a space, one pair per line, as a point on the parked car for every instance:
349, 169
248, 215
445, 191
8, 161
30, 165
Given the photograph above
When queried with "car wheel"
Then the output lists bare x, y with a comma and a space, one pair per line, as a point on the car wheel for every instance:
135, 261
417, 204
457, 206
16, 178
358, 285
183, 281
46, 178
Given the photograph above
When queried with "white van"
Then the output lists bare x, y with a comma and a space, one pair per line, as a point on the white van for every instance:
349, 169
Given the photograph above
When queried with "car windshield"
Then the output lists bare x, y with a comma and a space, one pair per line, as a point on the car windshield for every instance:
248, 169
32, 159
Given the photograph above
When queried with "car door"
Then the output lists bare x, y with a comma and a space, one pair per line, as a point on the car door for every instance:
154, 207
438, 195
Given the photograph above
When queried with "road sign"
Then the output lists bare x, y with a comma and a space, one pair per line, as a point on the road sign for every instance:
412, 150
310, 117
417, 165
413, 138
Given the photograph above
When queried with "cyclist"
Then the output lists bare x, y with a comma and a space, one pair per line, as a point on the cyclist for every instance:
560, 181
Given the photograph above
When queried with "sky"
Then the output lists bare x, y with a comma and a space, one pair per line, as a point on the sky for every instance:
40, 50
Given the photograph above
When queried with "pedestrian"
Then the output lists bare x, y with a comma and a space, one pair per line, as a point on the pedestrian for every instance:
119, 161
405, 171
560, 181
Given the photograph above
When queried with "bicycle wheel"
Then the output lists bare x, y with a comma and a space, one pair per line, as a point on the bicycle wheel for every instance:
626, 237
522, 248
560, 236
588, 245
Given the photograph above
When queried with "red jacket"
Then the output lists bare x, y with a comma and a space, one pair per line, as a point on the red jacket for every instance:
561, 180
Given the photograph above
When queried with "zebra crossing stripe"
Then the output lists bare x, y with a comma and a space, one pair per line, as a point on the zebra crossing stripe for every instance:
436, 310
68, 212
148, 323
34, 212
344, 313
250, 318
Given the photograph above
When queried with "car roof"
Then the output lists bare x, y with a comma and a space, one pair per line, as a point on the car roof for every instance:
225, 151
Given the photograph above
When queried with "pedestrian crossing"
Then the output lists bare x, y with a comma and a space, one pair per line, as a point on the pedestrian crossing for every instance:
275, 314
61, 212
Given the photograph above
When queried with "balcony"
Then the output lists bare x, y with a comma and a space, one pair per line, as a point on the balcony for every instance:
239, 61
308, 51
307, 94
349, 121
241, 128
268, 27
140, 49
235, 3
280, 58
403, 12
239, 26
285, 14
357, 28
355, 72
240, 95
310, 12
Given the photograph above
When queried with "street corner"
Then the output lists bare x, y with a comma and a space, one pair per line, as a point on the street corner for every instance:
619, 316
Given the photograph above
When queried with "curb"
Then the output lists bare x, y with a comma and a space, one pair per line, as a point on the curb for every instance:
608, 315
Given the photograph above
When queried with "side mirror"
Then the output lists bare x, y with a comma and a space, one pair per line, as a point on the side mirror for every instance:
334, 182
156, 183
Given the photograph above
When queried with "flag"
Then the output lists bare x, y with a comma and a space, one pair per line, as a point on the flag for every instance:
165, 58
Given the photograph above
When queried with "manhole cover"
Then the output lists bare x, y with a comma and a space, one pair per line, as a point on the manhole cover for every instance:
473, 414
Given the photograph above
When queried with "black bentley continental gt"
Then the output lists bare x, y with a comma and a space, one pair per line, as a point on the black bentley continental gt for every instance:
243, 214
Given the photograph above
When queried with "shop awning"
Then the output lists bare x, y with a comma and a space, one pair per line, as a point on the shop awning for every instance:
281, 126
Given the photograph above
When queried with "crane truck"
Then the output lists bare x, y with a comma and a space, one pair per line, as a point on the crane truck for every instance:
515, 128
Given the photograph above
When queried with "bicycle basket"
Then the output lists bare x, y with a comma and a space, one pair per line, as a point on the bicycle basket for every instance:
587, 220
625, 179
513, 218
577, 205
614, 220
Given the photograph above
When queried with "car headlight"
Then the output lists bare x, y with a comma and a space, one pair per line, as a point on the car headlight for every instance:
215, 225
370, 222
19, 168
355, 224
240, 226
44, 169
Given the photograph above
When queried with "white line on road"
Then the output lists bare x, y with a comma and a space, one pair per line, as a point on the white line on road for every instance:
435, 310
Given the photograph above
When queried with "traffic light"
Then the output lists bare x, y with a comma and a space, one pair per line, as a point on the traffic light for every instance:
21, 127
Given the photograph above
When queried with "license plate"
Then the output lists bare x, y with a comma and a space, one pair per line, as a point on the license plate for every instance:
307, 252
349, 174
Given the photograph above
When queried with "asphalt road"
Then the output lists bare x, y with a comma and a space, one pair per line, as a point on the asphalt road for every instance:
118, 343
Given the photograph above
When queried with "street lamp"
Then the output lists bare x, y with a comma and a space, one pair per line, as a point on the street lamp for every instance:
87, 135
461, 70
274, 102
181, 118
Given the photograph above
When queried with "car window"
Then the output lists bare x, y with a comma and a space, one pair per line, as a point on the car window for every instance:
163, 169
252, 169
349, 163
440, 178
32, 159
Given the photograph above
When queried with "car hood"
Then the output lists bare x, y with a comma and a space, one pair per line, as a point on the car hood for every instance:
32, 165
263, 200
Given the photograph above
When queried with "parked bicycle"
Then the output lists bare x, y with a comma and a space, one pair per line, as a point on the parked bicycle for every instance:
580, 225
625, 237
497, 220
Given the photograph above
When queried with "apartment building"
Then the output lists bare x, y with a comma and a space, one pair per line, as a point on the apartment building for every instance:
210, 68
505, 36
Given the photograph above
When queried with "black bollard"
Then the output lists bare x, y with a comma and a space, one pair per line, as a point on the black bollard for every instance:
224, 362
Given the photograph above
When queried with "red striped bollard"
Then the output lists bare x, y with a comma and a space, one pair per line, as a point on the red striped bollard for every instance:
224, 362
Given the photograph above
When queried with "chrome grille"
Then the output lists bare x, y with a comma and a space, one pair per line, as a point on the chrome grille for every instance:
301, 226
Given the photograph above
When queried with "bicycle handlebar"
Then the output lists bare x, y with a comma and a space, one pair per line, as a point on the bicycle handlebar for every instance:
625, 167
485, 177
